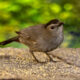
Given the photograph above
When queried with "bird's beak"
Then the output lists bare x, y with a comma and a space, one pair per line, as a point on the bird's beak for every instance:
60, 23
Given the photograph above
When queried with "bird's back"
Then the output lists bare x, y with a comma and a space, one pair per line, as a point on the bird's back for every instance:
31, 37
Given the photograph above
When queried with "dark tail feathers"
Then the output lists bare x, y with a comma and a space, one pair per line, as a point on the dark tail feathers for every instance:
10, 40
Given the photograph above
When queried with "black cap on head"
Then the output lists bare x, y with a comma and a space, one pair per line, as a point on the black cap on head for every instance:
54, 21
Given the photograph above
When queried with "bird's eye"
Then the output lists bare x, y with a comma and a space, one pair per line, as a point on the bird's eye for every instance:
52, 27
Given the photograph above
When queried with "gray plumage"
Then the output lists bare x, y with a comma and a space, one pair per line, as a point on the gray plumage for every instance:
40, 38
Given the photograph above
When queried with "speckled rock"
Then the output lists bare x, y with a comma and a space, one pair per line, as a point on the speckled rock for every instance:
19, 64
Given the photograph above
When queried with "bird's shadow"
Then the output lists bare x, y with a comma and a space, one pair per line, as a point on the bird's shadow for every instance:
12, 79
5, 57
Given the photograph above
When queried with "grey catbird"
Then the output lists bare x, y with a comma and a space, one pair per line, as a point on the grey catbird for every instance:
40, 38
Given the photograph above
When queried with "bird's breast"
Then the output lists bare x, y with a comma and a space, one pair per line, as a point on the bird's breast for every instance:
50, 44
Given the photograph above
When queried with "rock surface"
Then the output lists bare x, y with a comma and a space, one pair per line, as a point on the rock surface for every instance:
19, 64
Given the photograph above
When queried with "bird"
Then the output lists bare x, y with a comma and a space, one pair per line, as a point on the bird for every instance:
40, 38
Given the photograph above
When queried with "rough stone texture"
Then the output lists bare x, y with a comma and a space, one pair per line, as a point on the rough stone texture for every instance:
19, 64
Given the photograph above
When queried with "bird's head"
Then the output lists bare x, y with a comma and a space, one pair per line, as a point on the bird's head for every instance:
54, 26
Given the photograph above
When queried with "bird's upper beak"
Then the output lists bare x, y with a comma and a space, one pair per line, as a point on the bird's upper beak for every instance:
60, 23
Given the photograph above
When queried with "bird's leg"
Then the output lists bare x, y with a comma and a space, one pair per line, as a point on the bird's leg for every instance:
50, 57
34, 56
38, 60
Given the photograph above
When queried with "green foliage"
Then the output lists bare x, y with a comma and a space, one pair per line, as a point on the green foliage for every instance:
18, 14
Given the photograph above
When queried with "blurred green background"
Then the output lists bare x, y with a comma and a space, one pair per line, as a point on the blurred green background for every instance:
19, 14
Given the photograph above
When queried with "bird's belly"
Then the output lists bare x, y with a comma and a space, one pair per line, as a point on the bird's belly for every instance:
50, 45
45, 47
42, 45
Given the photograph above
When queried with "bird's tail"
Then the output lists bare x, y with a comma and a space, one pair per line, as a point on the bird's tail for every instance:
10, 40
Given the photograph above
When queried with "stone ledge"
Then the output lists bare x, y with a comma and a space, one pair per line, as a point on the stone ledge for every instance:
18, 64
